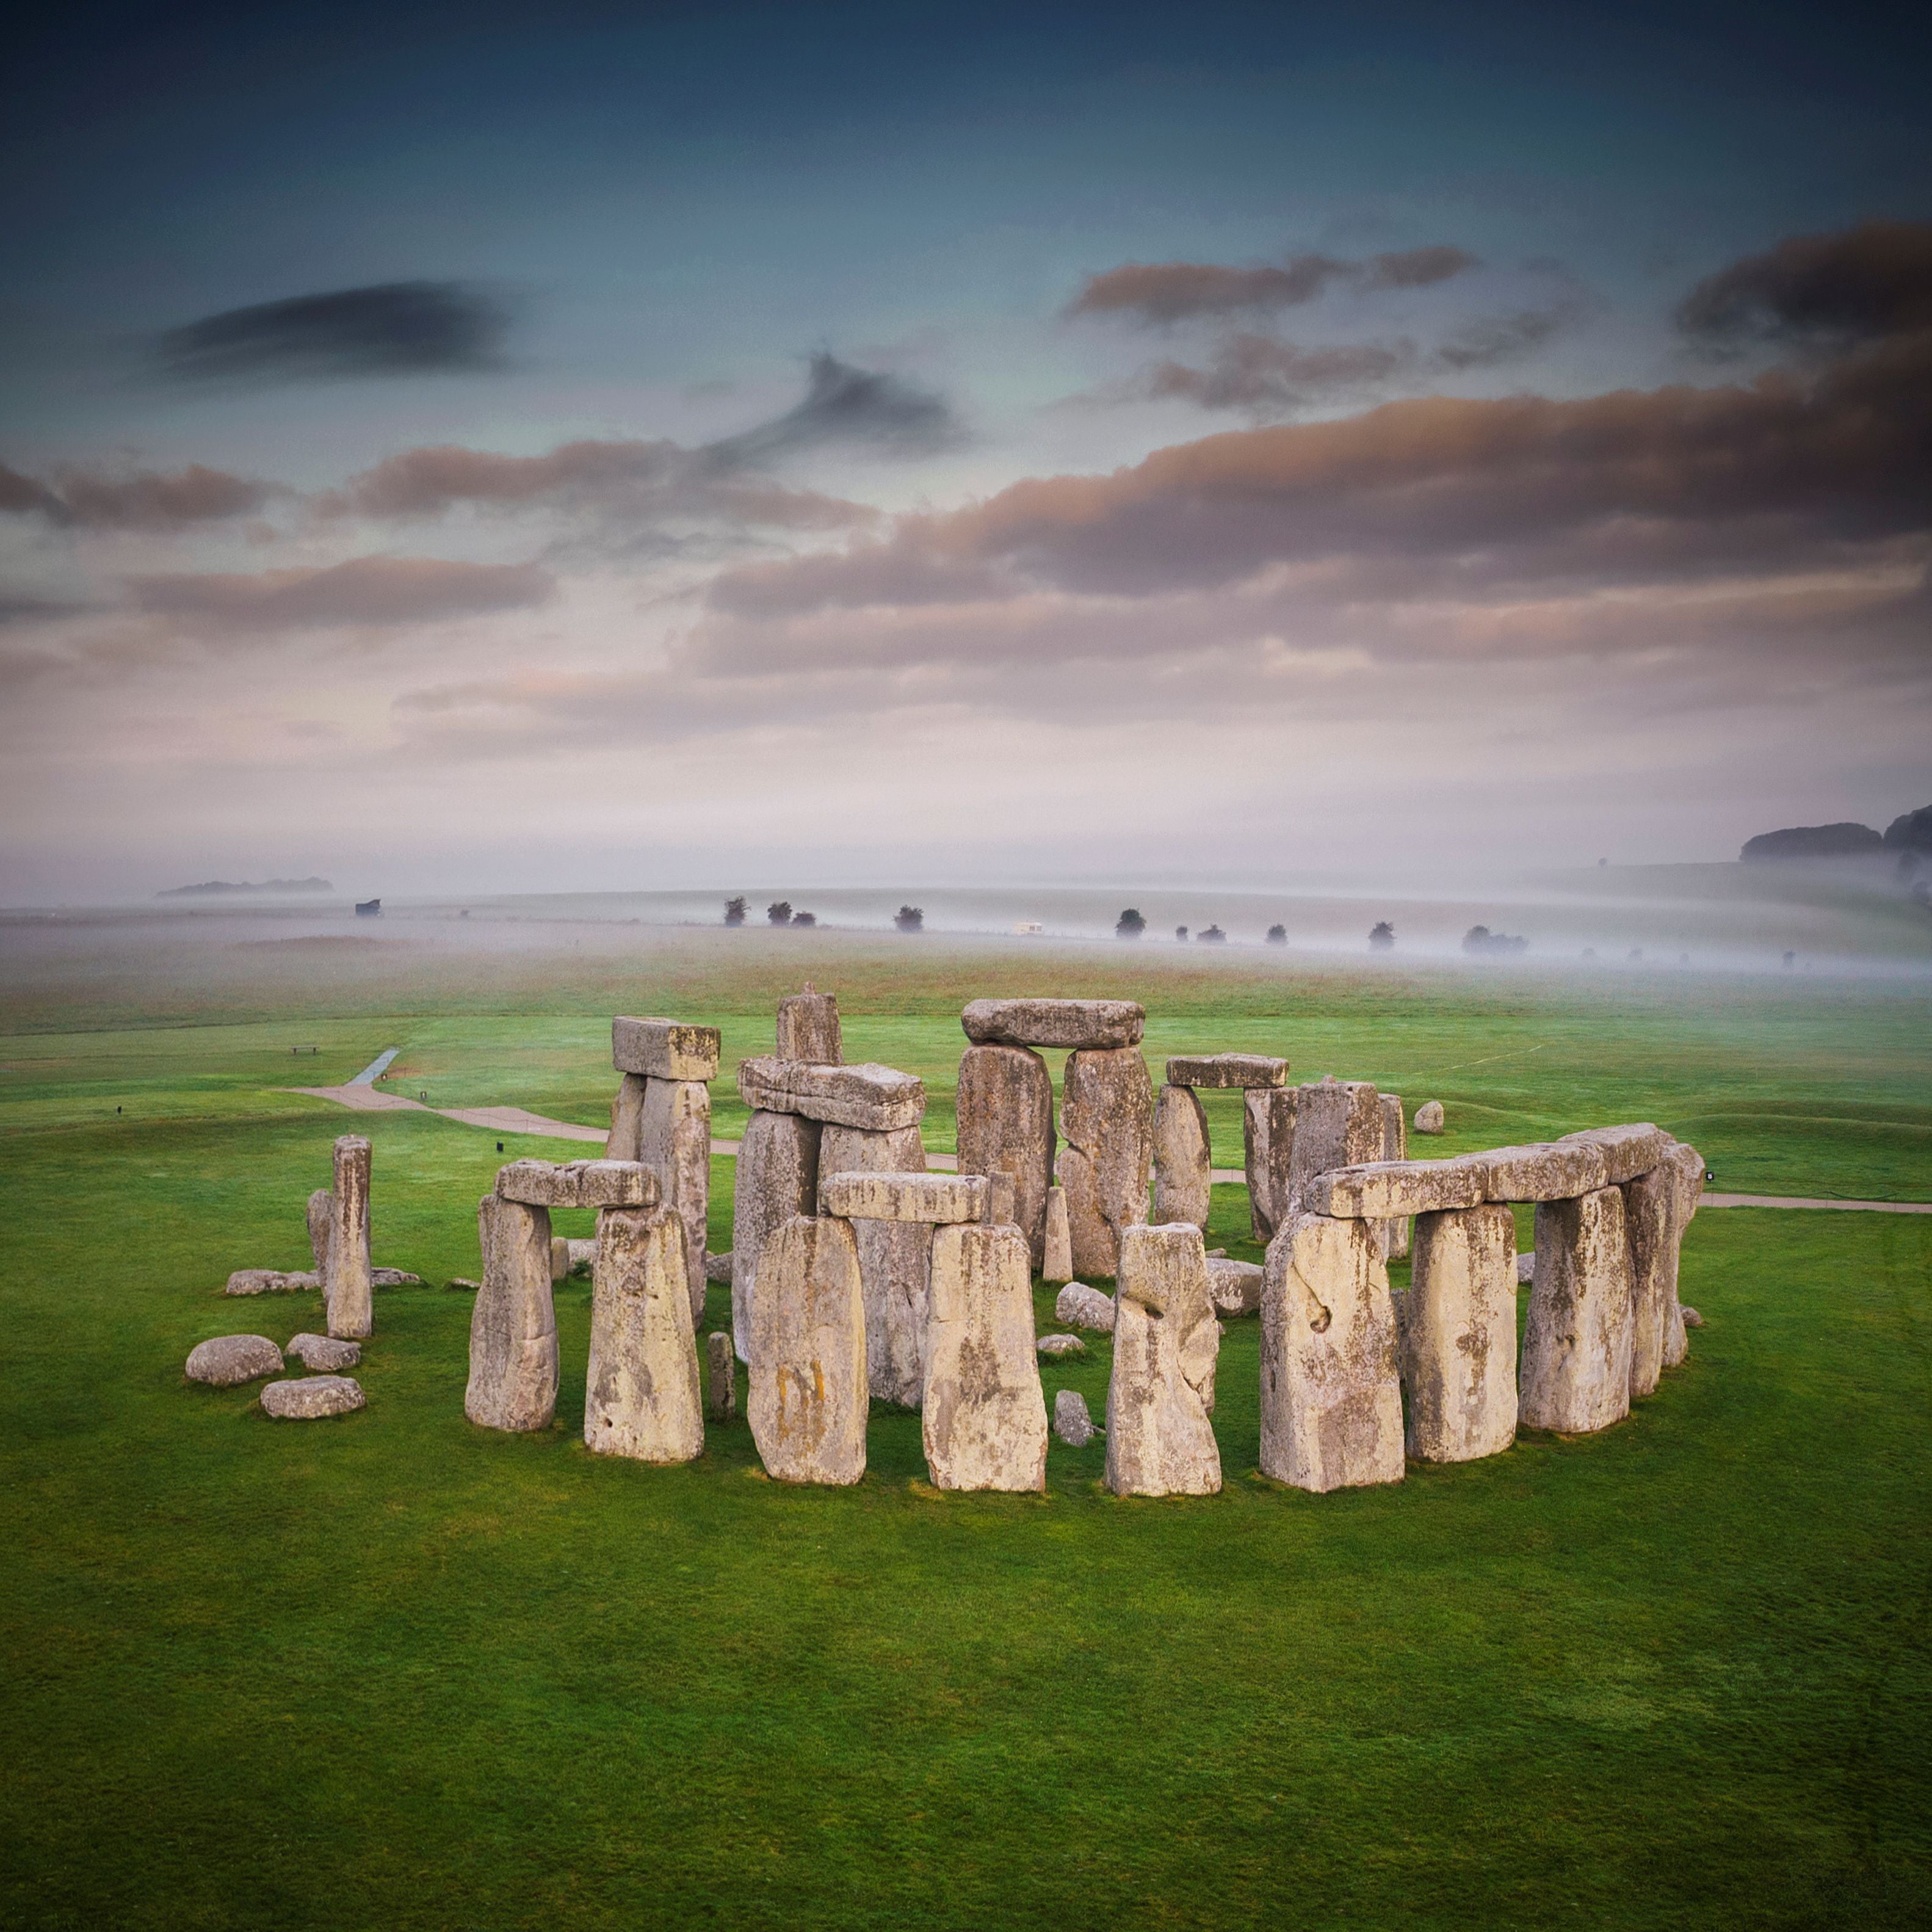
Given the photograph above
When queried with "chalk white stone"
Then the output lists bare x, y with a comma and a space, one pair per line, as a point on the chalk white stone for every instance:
346, 1285
1249, 1070
325, 1354
513, 1357
1056, 1263
312, 1398
674, 1142
1458, 1336
641, 1397
1428, 1117
1106, 1114
879, 1098
807, 1400
894, 1258
721, 1377
229, 1360
1337, 1123
1576, 1340
1183, 1170
1160, 1441
910, 1195
1005, 1126
1071, 1422
1235, 1287
778, 1177
578, 1183
663, 1049
1078, 1024
1080, 1307
809, 1029
1267, 1134
982, 1416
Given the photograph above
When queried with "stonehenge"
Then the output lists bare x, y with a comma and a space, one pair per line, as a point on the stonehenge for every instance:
1576, 1340
1106, 1116
778, 1178
1458, 1351
312, 1398
346, 1283
721, 1377
230, 1360
1057, 1262
1005, 1113
1160, 1441
513, 1359
1395, 1146
641, 1397
1183, 1170
807, 1399
1428, 1117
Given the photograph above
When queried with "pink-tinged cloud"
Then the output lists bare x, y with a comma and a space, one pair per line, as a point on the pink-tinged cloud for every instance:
141, 499
365, 590
1163, 292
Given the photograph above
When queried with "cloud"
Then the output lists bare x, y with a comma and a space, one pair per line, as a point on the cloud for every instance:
1860, 285
141, 499
1490, 340
1273, 379
364, 590
394, 328
845, 405
1159, 294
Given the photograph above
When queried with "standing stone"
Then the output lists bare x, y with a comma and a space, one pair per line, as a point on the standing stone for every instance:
721, 1377
1107, 1115
346, 1288
1688, 1164
1576, 1341
1395, 1146
674, 1140
1006, 1127
1183, 1169
778, 1177
808, 1400
321, 1219
1428, 1117
626, 1139
808, 1028
1331, 1398
1337, 1123
513, 1326
1268, 1137
984, 1417
1650, 1214
1071, 1422
1057, 1260
641, 1398
1458, 1338
559, 1259
1160, 1440
894, 1257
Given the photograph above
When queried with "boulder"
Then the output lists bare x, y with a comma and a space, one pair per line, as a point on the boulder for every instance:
321, 1218
908, 1195
1395, 1146
1331, 1397
1235, 1287
717, 1268
1576, 1341
1005, 1117
387, 1277
312, 1397
325, 1354
1549, 1171
1080, 1307
895, 1255
1379, 1189
807, 1401
268, 1281
230, 1359
641, 1398
1268, 1136
345, 1283
581, 1255
983, 1416
1428, 1117
578, 1183
1337, 1123
665, 1049
721, 1376
1160, 1441
462, 1284
1627, 1151
1525, 1268
1060, 1344
1692, 1319
879, 1098
1183, 1170
808, 1028
1071, 1422
1106, 1114
1078, 1024
674, 1143
513, 1357
1057, 1260
1457, 1343
1249, 1070
778, 1178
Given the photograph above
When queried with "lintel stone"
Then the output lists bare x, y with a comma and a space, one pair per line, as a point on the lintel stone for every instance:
880, 1099
1073, 1024
938, 1199
1226, 1069
665, 1049
577, 1183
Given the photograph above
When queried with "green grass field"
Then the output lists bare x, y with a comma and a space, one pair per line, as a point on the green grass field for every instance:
395, 1671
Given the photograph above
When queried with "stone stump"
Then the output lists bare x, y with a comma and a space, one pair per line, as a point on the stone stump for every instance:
809, 1028
1107, 1116
513, 1363
1576, 1341
1057, 1262
778, 1178
894, 1258
1331, 1398
808, 1398
983, 1418
1160, 1440
721, 1377
1458, 1336
1395, 1146
1268, 1139
346, 1284
641, 1397
1006, 1127
1183, 1169
1337, 1123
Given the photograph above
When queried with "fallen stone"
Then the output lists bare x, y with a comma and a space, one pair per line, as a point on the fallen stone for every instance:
1106, 1114
1552, 1171
894, 1257
1226, 1069
665, 1049
1071, 1422
464, 1283
1079, 1024
346, 1283
324, 1354
881, 1100
513, 1357
268, 1281
1160, 1441
1182, 1171
721, 1376
641, 1398
1337, 1123
389, 1277
910, 1194
717, 1268
778, 1178
809, 1028
1268, 1137
1395, 1146
1060, 1344
578, 1183
321, 1217
1080, 1307
1005, 1121
1235, 1287
1379, 1189
312, 1397
807, 1401
1692, 1319
1525, 1268
1217, 1254
1576, 1341
1457, 1343
1627, 1150
982, 1416
230, 1359
1428, 1117
674, 1142
1331, 1397
1057, 1262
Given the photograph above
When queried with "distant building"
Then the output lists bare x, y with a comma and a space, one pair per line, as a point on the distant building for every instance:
1028, 928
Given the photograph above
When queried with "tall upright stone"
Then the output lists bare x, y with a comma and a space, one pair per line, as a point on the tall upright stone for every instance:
321, 1219
1331, 1397
346, 1286
1657, 1205
1183, 1168
641, 1398
1395, 1146
626, 1140
721, 1377
809, 1028
513, 1362
1337, 1123
1160, 1441
1576, 1341
1267, 1135
1688, 1164
894, 1257
778, 1177
1458, 1336
1057, 1262
983, 1418
674, 1138
808, 1400
1005, 1113
1107, 1116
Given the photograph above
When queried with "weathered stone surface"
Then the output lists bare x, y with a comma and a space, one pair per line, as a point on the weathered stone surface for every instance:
269, 1281
1078, 1024
1005, 1117
513, 1359
1525, 1268
1551, 1171
1627, 1150
1267, 1135
808, 1400
324, 1354
1080, 1307
1071, 1422
462, 1284
674, 1142
1235, 1287
982, 1416
389, 1277
559, 1259
1106, 1114
1337, 1123
1382, 1188
911, 1195
894, 1257
878, 1098
1650, 1225
230, 1359
1428, 1117
1060, 1344
312, 1397
1395, 1146
1226, 1069
578, 1183
778, 1177
641, 1398
1576, 1340
1160, 1441
663, 1049
1182, 1171
321, 1219
1457, 1347
721, 1377
1688, 1164
1003, 1200
626, 1140
582, 1255
1057, 1257
809, 1028
346, 1285
717, 1268
1692, 1319
1331, 1398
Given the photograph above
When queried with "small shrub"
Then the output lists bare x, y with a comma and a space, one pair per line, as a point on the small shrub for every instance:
1130, 925
910, 919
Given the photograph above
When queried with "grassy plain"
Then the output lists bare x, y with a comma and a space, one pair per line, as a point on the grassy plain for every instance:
393, 1670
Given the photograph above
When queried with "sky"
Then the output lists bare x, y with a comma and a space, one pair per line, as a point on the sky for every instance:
500, 448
